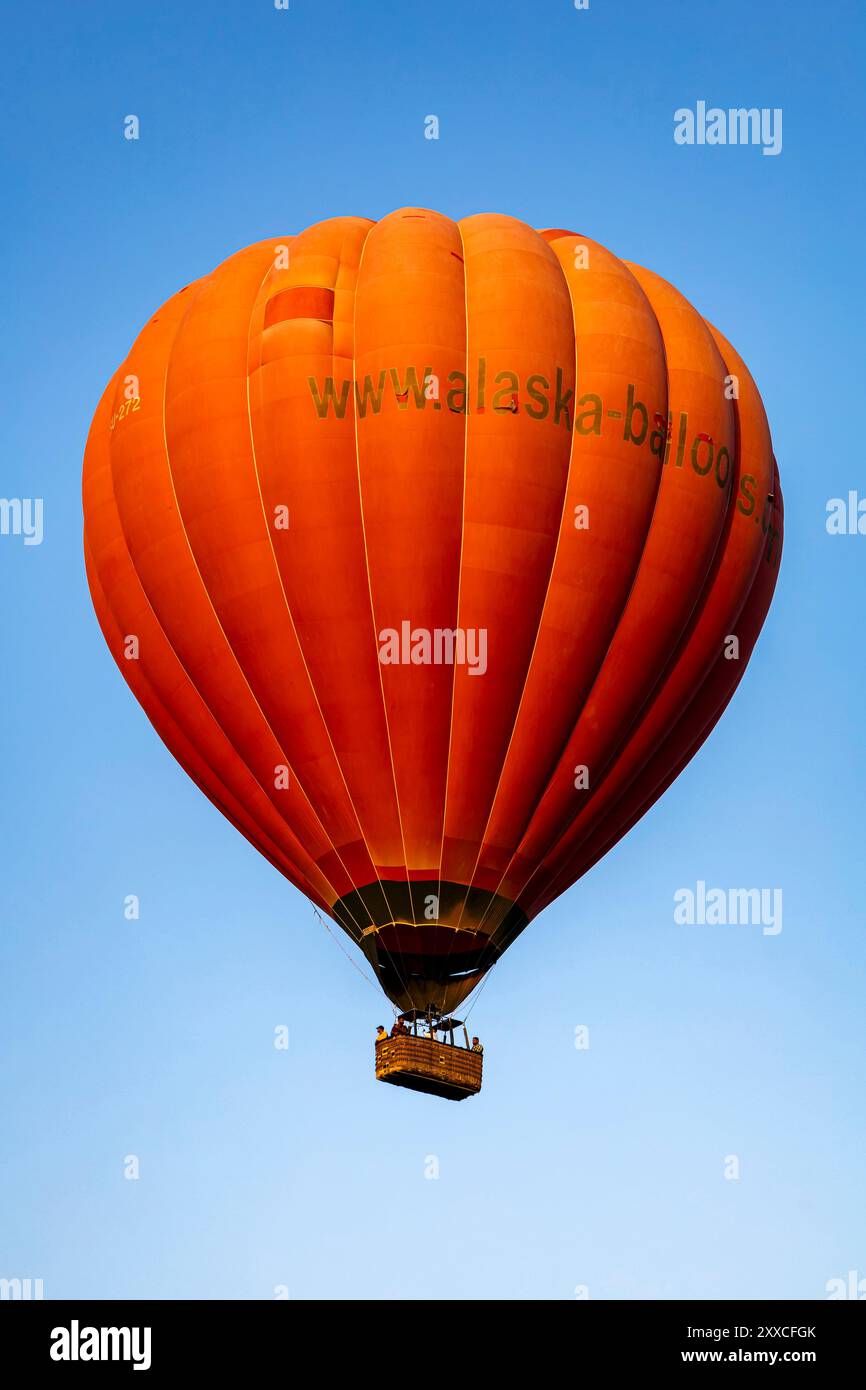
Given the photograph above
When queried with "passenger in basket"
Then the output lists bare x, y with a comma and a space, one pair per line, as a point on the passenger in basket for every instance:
476, 1046
399, 1028
381, 1035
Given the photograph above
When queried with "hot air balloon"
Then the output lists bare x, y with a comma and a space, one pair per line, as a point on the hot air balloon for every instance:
433, 551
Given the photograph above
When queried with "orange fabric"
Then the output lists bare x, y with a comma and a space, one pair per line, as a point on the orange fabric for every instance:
300, 302
467, 426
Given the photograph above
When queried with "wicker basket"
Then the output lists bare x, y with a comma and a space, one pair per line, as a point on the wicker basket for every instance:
423, 1064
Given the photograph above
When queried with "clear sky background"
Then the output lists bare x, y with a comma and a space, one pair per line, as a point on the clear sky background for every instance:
260, 1168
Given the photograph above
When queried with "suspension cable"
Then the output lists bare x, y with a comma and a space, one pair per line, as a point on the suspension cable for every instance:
354, 964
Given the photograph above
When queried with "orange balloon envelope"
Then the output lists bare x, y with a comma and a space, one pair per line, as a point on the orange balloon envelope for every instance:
433, 551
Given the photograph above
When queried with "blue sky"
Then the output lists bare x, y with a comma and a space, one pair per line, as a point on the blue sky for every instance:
601, 1168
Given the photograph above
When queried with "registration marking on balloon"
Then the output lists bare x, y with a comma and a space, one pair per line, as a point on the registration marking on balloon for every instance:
411, 387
